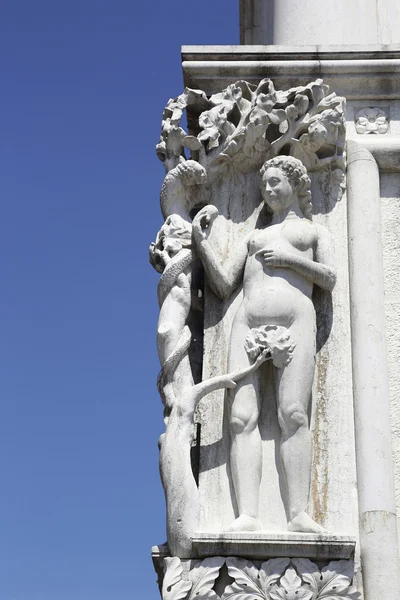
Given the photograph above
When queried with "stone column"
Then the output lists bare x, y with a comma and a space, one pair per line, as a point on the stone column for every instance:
377, 507
313, 22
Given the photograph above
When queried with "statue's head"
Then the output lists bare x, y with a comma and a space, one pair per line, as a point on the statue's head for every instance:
283, 179
174, 235
191, 173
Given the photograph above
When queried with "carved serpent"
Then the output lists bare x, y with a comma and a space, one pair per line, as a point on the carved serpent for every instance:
174, 268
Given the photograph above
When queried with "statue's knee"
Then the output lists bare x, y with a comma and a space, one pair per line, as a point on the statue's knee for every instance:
164, 331
239, 424
292, 419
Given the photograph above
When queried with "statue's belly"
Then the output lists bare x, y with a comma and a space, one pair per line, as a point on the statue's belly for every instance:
275, 301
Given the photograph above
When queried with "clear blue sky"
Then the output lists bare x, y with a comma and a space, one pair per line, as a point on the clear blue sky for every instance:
83, 85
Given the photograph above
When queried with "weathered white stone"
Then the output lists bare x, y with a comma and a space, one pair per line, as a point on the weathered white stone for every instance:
280, 263
229, 149
255, 545
304, 22
367, 75
378, 534
239, 579
390, 209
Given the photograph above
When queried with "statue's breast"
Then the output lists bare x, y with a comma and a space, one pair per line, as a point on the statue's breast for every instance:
298, 235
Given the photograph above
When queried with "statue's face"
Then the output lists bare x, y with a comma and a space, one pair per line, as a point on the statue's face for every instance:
277, 190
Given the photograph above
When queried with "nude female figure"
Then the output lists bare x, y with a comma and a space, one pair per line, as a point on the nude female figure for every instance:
279, 266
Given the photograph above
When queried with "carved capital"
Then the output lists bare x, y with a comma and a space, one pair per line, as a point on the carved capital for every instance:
275, 579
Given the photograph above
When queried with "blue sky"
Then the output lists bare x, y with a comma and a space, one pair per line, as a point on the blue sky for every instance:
83, 85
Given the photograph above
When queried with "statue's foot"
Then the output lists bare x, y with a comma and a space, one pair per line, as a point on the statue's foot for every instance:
245, 523
302, 523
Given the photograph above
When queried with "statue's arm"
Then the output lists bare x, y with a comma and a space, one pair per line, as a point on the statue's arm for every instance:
223, 279
320, 271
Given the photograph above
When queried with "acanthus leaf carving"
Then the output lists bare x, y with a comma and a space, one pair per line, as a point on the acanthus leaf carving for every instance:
198, 584
290, 588
247, 582
336, 581
203, 577
271, 570
290, 579
174, 587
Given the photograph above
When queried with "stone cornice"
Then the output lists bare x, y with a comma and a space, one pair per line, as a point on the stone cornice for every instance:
359, 73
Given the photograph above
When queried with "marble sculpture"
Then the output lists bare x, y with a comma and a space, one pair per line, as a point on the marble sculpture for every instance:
256, 145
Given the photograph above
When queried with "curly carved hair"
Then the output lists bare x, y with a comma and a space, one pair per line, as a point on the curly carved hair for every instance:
296, 173
190, 172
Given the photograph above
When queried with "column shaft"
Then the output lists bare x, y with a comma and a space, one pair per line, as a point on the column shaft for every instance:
377, 508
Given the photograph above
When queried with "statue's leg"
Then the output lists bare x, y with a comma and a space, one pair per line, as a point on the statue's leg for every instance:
246, 449
294, 386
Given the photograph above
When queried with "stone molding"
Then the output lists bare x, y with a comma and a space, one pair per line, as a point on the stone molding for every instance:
260, 545
344, 69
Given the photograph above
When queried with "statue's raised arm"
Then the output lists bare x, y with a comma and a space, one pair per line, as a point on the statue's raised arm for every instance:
223, 279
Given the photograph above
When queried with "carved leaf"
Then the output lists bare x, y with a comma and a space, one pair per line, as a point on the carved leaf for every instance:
318, 90
309, 572
331, 101
196, 98
291, 581
290, 588
247, 584
301, 102
175, 140
210, 135
271, 570
335, 581
277, 116
174, 587
259, 117
253, 134
242, 94
292, 112
192, 143
274, 338
203, 577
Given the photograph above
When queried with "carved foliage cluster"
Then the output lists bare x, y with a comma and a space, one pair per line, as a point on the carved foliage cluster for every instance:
290, 579
275, 339
276, 579
245, 124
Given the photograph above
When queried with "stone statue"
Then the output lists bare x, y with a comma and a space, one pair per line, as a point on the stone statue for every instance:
215, 170
279, 266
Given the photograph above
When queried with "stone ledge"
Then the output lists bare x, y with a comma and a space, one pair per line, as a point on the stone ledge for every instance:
260, 546
367, 73
281, 53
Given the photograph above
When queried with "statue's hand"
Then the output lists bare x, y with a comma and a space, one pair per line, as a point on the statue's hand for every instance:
261, 358
273, 257
202, 222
